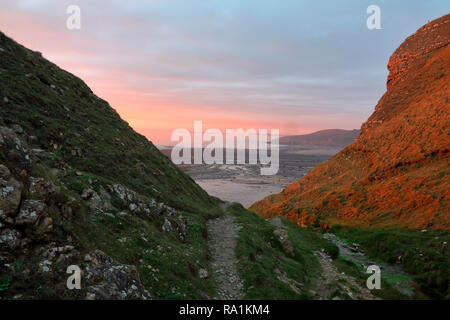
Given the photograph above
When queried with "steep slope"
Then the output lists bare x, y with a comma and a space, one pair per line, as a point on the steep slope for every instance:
79, 187
63, 115
396, 172
324, 138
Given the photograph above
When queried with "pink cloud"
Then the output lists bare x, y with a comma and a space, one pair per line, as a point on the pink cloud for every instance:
156, 102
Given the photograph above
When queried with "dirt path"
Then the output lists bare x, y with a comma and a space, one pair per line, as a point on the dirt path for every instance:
222, 238
332, 281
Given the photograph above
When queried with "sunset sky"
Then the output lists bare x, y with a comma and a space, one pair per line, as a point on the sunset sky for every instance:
298, 66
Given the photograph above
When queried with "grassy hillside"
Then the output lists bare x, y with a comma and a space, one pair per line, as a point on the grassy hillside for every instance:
60, 114
101, 185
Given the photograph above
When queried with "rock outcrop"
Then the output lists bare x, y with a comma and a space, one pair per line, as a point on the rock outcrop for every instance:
25, 223
21, 216
396, 172
429, 38
113, 281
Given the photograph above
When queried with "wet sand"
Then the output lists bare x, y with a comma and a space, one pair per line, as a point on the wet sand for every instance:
244, 184
245, 194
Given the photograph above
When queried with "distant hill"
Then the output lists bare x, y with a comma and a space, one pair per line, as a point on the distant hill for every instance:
337, 138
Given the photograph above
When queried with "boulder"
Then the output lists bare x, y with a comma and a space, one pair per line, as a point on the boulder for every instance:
10, 239
122, 214
98, 204
284, 240
30, 212
10, 196
87, 193
123, 192
41, 189
203, 273
5, 174
167, 226
17, 129
69, 208
41, 229
110, 280
14, 151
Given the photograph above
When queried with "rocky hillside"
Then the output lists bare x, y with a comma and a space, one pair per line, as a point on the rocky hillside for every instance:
396, 173
79, 187
331, 138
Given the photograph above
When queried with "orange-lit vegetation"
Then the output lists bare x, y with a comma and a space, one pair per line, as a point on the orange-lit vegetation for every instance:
396, 173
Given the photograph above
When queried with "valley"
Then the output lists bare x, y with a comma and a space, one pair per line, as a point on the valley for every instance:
79, 186
244, 183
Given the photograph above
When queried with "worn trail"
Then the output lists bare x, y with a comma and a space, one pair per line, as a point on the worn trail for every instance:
223, 233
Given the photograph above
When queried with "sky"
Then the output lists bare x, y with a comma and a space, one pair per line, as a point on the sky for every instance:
294, 65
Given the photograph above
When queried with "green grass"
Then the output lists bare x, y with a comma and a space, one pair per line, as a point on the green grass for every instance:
167, 266
424, 255
5, 281
260, 254
387, 290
